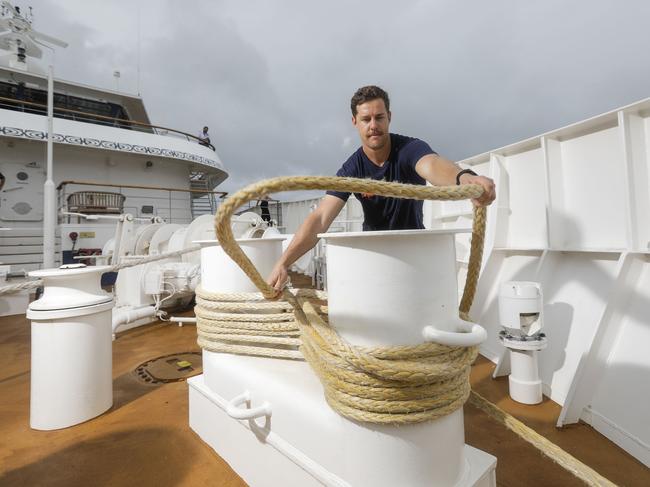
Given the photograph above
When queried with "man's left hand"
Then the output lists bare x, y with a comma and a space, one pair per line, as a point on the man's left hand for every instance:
489, 189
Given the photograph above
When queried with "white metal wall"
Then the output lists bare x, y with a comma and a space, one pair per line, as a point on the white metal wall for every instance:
294, 213
571, 213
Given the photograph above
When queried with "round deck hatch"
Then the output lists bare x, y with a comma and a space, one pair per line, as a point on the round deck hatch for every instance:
170, 368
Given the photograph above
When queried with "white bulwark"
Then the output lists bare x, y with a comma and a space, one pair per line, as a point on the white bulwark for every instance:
572, 214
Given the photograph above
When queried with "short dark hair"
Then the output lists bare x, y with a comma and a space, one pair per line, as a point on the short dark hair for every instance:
368, 93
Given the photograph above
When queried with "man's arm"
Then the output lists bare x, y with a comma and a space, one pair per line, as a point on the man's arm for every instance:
306, 238
442, 172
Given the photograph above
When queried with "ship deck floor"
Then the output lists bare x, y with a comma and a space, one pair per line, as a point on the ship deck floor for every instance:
145, 439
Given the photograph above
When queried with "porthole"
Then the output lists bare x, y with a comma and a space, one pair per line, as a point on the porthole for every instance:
22, 176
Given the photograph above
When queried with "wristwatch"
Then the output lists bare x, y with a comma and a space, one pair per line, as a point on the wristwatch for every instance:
464, 171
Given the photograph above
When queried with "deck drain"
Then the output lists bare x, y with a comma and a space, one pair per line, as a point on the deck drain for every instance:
170, 368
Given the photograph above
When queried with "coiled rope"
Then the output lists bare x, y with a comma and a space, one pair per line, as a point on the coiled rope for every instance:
386, 385
389, 385
247, 324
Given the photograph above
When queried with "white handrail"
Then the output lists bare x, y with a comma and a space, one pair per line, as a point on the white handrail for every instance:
465, 334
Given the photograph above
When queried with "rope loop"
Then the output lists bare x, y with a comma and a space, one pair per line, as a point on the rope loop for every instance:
386, 385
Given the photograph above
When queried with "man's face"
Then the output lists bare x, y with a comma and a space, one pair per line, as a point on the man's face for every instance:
372, 120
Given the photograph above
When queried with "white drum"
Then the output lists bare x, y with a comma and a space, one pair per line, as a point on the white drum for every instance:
71, 362
392, 288
219, 273
268, 418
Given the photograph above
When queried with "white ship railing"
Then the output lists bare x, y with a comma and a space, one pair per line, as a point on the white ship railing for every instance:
79, 116
161, 197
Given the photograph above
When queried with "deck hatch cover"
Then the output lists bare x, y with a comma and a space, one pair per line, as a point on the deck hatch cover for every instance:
170, 368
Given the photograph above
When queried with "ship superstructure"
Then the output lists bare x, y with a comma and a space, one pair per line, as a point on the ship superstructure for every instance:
108, 158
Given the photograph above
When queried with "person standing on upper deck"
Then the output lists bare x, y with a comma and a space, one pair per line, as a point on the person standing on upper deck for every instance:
382, 156
204, 137
265, 213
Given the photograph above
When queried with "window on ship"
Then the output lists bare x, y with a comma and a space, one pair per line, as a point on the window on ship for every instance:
14, 96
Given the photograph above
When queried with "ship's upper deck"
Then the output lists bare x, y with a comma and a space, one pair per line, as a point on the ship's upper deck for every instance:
71, 95
96, 118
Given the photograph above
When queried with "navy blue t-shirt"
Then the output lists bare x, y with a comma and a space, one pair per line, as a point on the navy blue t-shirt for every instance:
382, 213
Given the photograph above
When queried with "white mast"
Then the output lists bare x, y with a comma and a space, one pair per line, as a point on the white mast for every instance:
19, 29
49, 192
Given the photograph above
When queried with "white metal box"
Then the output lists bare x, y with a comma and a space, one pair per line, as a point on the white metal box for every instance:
304, 442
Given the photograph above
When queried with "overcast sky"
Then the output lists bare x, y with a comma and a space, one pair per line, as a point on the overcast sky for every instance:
273, 79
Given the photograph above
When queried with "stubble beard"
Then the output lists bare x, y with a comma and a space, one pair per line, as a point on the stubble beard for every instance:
377, 144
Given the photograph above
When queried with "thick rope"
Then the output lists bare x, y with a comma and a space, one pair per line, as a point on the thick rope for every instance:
246, 324
432, 380
385, 385
22, 286
342, 373
567, 461
257, 190
153, 258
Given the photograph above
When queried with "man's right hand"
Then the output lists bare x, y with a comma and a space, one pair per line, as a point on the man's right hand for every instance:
278, 278
305, 238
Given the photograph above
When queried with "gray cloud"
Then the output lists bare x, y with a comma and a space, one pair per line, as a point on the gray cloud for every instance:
273, 79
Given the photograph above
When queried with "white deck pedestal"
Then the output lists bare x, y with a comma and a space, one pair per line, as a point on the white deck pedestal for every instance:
71, 356
304, 442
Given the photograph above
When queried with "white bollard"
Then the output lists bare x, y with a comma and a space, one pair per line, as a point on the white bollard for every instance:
389, 289
220, 274
71, 363
268, 417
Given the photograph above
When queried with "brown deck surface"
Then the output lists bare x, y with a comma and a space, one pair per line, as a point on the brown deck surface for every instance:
144, 439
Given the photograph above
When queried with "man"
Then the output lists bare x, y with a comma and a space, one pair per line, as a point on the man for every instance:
204, 137
382, 156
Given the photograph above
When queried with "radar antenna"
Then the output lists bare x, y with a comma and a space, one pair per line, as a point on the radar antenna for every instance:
18, 36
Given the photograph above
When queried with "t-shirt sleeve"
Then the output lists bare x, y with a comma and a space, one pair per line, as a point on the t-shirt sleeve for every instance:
415, 150
347, 170
410, 154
